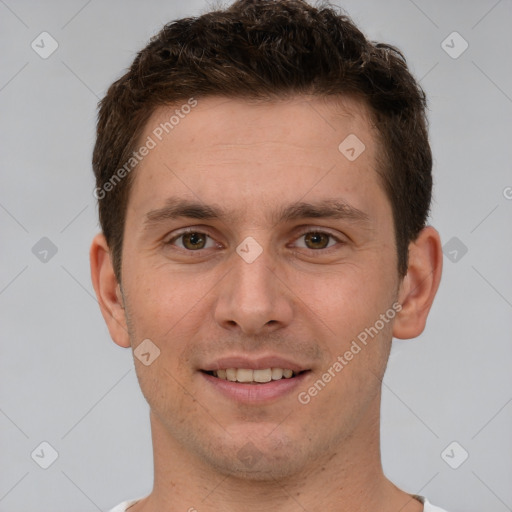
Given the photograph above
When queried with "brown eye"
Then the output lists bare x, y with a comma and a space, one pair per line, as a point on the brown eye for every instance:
191, 240
194, 240
317, 240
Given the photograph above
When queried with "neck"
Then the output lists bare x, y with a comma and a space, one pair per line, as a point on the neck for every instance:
349, 478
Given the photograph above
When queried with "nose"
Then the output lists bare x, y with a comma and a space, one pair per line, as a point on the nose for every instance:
254, 297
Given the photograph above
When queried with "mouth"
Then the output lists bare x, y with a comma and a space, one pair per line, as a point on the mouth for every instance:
250, 376
254, 386
258, 380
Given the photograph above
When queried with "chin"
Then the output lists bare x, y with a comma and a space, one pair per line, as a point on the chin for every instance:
264, 469
257, 457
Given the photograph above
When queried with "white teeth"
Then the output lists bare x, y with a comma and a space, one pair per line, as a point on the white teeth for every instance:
243, 375
230, 374
246, 375
262, 375
277, 373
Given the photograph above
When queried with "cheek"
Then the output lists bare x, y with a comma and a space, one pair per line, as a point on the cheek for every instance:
347, 300
165, 303
166, 395
170, 319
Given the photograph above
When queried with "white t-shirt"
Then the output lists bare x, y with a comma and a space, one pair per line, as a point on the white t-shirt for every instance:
427, 506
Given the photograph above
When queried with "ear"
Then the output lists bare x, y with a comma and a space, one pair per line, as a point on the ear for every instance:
108, 291
420, 284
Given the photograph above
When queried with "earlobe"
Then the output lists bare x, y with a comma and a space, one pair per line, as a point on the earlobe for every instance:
420, 284
108, 291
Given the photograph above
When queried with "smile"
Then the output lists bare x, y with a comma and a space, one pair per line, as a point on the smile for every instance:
247, 375
255, 386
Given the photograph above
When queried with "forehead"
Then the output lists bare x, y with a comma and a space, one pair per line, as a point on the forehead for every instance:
246, 120
244, 151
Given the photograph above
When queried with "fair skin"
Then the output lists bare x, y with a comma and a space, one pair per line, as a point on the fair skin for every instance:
231, 446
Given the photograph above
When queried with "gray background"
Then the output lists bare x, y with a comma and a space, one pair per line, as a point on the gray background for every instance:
65, 382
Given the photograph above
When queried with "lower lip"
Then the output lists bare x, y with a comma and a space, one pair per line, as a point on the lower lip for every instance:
255, 393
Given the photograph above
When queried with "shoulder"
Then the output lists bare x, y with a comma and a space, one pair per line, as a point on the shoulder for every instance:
428, 507
122, 507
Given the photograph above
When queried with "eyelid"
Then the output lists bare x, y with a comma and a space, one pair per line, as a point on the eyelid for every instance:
184, 231
303, 231
316, 229
320, 230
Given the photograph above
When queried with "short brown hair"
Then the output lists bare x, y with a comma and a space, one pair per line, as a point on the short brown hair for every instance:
267, 49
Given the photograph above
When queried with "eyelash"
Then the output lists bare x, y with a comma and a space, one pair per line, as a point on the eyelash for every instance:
306, 231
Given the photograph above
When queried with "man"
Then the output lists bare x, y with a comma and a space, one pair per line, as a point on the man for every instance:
264, 179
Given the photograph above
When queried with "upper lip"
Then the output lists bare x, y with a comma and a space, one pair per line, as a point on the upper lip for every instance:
254, 363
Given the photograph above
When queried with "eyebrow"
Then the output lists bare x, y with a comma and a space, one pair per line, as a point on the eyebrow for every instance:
176, 208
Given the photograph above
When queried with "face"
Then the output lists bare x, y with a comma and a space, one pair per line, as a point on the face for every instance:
254, 243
